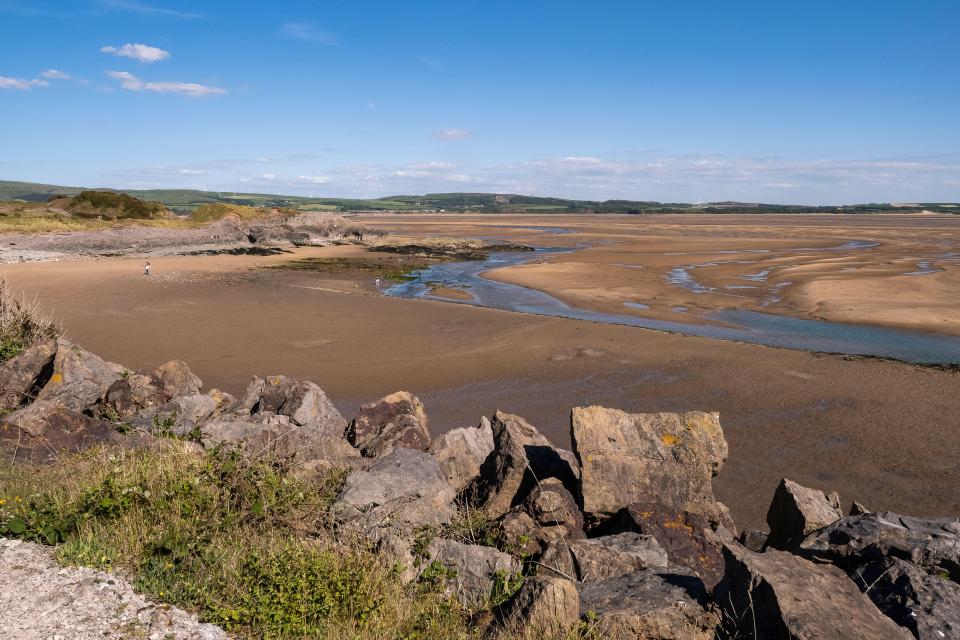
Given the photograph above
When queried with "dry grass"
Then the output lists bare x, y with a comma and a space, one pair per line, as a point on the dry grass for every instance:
22, 323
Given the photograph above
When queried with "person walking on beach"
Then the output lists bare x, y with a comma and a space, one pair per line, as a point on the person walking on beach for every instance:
146, 269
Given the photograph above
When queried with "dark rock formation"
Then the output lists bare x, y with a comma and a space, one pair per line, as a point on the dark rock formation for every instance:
22, 377
796, 511
397, 420
779, 596
594, 559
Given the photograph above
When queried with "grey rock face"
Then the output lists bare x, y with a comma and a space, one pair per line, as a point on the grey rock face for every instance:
304, 403
625, 458
460, 452
797, 511
931, 543
21, 377
595, 559
650, 604
79, 378
404, 489
267, 434
175, 379
397, 420
779, 596
473, 569
545, 606
927, 605
521, 458
130, 395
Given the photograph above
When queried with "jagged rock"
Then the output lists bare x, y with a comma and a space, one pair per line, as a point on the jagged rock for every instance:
273, 435
796, 511
460, 452
521, 457
180, 416
857, 509
128, 396
595, 559
545, 606
690, 539
22, 377
79, 378
649, 604
625, 458
753, 540
930, 543
779, 596
397, 420
44, 430
927, 605
551, 505
404, 489
472, 569
250, 403
175, 379
304, 403
520, 532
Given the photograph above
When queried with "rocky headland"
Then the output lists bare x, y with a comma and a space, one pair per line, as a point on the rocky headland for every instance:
620, 537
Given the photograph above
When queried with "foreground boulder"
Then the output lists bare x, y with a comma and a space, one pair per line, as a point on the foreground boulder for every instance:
46, 430
470, 571
779, 596
649, 604
797, 511
595, 559
460, 452
397, 420
404, 489
304, 403
927, 605
521, 458
175, 379
626, 458
278, 437
932, 544
544, 607
691, 540
78, 378
22, 377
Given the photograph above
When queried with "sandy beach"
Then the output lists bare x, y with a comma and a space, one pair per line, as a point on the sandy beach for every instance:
880, 432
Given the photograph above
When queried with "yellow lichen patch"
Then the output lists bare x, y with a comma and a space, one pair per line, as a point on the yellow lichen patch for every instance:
677, 523
56, 378
669, 439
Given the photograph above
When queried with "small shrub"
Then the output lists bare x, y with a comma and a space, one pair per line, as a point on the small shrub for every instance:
22, 324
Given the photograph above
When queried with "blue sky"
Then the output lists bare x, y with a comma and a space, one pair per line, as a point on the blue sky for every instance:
805, 102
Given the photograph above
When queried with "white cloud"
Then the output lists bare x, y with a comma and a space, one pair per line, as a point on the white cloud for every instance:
451, 134
131, 82
314, 179
137, 51
191, 172
269, 176
310, 32
53, 74
22, 85
135, 6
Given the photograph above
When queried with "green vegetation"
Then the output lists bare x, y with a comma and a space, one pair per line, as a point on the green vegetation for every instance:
244, 543
185, 201
22, 324
109, 204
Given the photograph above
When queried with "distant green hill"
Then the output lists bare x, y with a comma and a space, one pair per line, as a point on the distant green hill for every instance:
185, 201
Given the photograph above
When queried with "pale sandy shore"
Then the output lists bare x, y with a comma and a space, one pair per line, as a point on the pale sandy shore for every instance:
880, 432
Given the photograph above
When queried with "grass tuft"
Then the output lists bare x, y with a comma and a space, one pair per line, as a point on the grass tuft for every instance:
22, 323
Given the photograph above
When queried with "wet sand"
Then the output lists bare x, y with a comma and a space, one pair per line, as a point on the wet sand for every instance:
880, 432
889, 270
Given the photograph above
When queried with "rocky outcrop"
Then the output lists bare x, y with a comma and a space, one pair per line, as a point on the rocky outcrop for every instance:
460, 452
595, 559
544, 607
397, 420
304, 403
403, 490
779, 596
649, 604
521, 458
627, 458
78, 378
797, 511
470, 571
22, 377
175, 379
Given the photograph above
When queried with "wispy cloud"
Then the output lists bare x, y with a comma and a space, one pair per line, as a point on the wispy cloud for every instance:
135, 6
314, 179
433, 63
451, 134
139, 52
54, 74
131, 82
21, 84
310, 32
